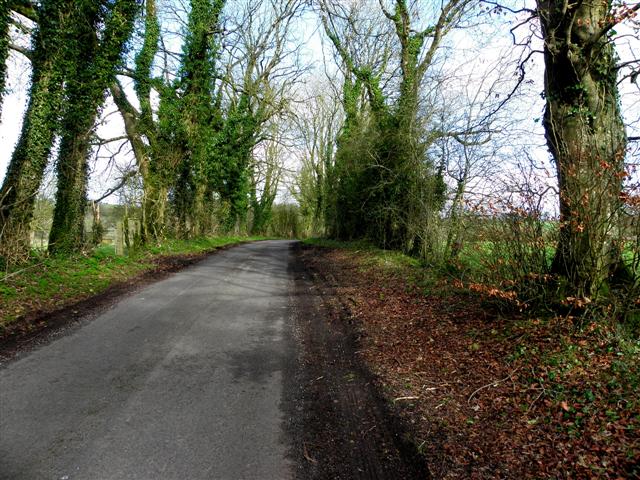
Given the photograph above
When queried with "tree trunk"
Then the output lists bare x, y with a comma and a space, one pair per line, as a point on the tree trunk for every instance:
454, 236
401, 189
150, 160
97, 229
586, 135
67, 230
338, 216
154, 210
92, 70
29, 159
5, 17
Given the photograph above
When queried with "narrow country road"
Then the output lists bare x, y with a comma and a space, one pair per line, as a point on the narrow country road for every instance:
183, 380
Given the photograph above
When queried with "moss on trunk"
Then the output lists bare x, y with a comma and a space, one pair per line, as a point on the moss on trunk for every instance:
586, 135
41, 121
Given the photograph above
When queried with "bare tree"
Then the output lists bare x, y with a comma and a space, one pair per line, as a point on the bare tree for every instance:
317, 122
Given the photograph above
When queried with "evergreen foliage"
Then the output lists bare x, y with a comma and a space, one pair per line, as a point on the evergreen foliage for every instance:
199, 115
152, 158
52, 40
388, 187
5, 18
193, 150
233, 148
103, 29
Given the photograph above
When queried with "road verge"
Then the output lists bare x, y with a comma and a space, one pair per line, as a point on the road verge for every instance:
51, 294
486, 393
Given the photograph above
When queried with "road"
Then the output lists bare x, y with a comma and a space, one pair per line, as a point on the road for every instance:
183, 380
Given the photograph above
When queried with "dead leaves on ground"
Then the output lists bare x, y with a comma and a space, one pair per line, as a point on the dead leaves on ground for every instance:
490, 397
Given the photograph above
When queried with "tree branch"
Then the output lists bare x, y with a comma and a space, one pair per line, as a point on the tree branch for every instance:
120, 184
629, 13
498, 6
26, 8
27, 52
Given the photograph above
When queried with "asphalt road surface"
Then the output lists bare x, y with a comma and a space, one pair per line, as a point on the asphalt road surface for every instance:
183, 380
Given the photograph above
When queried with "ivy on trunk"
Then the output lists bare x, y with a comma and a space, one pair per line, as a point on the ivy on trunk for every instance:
5, 18
89, 75
586, 135
41, 122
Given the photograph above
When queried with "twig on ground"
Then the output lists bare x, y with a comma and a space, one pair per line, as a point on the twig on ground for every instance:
405, 398
13, 274
492, 384
306, 454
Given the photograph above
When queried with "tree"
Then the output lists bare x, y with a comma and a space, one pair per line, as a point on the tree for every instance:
152, 162
8, 9
54, 35
586, 135
476, 105
198, 113
194, 151
76, 48
402, 188
169, 147
266, 178
91, 71
317, 123
263, 68
142, 130
5, 22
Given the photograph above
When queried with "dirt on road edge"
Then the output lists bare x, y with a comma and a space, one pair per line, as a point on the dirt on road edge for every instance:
346, 429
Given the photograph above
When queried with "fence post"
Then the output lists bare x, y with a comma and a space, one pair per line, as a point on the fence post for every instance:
119, 240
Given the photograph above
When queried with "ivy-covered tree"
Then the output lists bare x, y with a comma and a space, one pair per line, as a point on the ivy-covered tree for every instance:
232, 149
170, 144
52, 40
194, 150
401, 189
267, 72
8, 17
5, 22
586, 135
142, 130
99, 44
200, 118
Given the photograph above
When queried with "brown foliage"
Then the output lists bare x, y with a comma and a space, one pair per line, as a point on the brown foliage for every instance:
490, 397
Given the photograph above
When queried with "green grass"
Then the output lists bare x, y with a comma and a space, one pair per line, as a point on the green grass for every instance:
375, 256
416, 273
47, 283
197, 245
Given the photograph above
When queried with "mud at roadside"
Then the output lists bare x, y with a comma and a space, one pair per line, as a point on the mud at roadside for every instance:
346, 430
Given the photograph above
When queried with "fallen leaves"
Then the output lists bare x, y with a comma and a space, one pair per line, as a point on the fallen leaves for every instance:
487, 396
